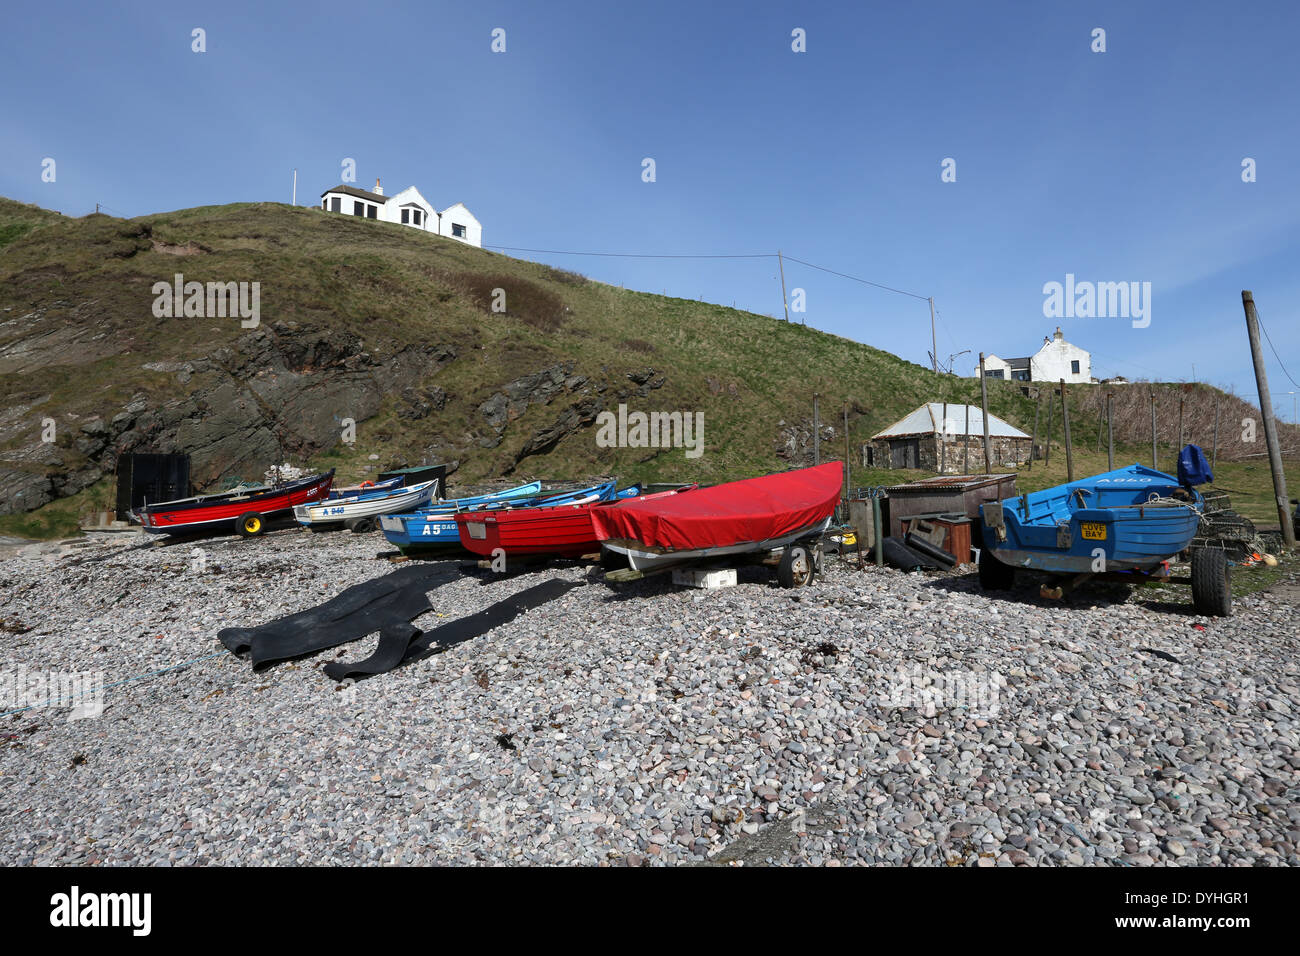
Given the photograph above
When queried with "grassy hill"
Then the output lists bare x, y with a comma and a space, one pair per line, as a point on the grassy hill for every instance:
394, 329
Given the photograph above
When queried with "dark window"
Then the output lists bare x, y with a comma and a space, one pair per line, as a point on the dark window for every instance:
458, 230
419, 217
1021, 375
336, 204
371, 212
993, 373
1074, 367
358, 208
406, 217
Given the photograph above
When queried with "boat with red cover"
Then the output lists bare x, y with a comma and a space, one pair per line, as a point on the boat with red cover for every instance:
244, 511
737, 517
562, 531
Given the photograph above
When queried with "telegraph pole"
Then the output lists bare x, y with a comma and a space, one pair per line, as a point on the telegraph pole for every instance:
1270, 426
295, 185
780, 263
934, 345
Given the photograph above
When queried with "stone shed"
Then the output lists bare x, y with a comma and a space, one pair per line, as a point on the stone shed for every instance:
947, 439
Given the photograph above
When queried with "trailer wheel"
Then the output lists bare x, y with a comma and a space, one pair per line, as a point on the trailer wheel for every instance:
250, 524
994, 575
797, 566
360, 525
1211, 590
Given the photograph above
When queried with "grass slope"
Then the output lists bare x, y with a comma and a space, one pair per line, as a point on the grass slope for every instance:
392, 287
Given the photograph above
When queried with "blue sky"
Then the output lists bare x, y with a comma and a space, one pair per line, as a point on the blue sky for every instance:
1115, 166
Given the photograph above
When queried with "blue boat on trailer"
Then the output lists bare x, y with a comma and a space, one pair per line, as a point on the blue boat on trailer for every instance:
1122, 525
434, 528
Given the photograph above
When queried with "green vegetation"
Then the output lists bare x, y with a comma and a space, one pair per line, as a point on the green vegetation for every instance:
393, 287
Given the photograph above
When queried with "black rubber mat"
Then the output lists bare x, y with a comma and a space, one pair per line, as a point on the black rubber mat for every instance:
387, 604
396, 648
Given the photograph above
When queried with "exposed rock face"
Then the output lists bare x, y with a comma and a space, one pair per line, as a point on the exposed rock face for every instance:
536, 389
275, 392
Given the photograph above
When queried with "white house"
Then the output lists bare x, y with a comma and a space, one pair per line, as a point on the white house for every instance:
407, 208
1056, 360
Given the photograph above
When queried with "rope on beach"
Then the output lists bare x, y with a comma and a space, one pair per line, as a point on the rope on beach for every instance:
119, 683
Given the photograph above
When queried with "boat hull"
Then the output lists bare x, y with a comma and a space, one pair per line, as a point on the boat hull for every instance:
561, 531
213, 512
1108, 522
640, 558
338, 510
433, 528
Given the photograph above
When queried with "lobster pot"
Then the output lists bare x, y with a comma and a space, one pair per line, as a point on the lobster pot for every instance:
145, 478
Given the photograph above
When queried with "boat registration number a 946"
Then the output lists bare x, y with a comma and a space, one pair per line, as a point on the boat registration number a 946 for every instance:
1093, 530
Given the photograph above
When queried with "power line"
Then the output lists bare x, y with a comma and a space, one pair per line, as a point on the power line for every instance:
845, 275
1275, 355
631, 255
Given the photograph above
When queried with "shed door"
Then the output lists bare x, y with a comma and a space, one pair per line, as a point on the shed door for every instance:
904, 453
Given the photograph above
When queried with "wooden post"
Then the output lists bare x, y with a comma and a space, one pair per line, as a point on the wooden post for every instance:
1214, 458
817, 432
848, 465
943, 441
1179, 447
1101, 414
1110, 431
1033, 442
1154, 460
1047, 446
1270, 426
784, 303
965, 444
984, 410
1065, 421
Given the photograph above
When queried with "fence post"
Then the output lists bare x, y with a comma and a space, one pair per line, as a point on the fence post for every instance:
1033, 442
1154, 461
1065, 421
1110, 431
984, 409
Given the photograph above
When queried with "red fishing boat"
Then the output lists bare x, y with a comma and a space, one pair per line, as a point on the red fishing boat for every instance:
562, 531
737, 517
244, 511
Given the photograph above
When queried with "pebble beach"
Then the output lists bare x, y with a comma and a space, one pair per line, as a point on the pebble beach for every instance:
873, 717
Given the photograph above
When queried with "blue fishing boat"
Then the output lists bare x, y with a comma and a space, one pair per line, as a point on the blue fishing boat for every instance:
1126, 525
436, 524
435, 528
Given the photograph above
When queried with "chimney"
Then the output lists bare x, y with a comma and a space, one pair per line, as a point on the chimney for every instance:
379, 191
1058, 335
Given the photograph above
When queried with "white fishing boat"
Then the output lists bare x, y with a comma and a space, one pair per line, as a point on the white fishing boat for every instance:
358, 512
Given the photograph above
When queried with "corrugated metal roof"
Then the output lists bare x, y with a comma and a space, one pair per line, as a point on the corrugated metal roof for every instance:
951, 482
928, 419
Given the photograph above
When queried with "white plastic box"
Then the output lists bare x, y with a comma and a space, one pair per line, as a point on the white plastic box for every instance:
705, 577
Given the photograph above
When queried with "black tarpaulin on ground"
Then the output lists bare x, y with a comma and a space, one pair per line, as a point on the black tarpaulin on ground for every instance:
386, 604
396, 648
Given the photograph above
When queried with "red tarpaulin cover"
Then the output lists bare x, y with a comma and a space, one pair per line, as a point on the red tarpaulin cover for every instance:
737, 512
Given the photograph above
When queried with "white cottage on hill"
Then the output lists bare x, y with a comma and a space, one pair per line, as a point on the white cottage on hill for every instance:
1056, 360
407, 208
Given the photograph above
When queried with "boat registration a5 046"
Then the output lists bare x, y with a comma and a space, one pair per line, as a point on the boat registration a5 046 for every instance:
1093, 530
